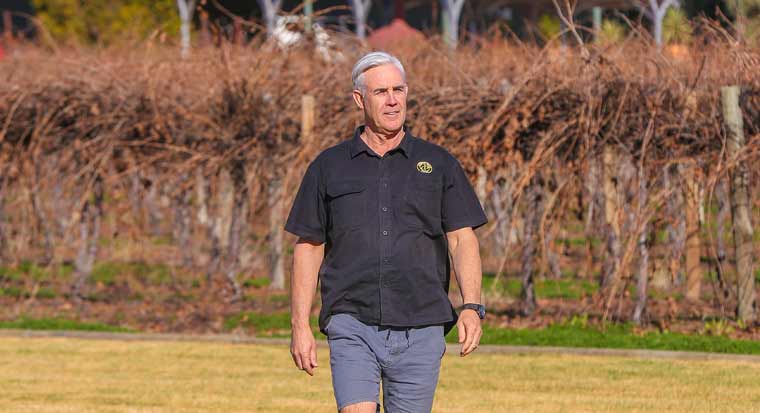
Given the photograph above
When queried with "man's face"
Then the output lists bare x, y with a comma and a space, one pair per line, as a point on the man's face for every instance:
384, 99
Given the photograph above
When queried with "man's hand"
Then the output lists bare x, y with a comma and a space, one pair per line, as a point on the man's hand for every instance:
303, 348
469, 331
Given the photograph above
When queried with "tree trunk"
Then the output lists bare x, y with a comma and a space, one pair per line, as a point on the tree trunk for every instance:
237, 223
269, 10
217, 223
182, 222
89, 232
724, 209
155, 216
676, 227
361, 9
44, 228
480, 187
593, 215
186, 9
451, 10
62, 212
612, 218
552, 256
532, 214
694, 273
657, 23
3, 233
276, 258
503, 207
740, 206
643, 274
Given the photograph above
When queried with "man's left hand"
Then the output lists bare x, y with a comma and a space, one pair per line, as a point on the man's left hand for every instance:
469, 331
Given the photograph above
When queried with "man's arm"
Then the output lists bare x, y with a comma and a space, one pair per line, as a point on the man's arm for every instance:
307, 258
464, 251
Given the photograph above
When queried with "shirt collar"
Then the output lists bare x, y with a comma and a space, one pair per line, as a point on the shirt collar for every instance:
358, 146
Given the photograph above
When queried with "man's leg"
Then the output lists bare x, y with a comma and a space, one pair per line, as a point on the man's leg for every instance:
410, 378
361, 407
354, 366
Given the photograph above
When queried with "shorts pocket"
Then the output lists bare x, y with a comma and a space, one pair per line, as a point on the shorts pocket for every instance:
329, 323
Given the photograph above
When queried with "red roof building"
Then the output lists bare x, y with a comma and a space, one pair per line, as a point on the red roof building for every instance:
396, 33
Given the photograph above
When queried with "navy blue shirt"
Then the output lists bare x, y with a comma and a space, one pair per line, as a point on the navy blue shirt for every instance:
383, 221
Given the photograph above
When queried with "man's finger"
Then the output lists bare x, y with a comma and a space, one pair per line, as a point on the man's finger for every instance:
468, 341
461, 332
307, 366
313, 356
297, 359
474, 340
477, 333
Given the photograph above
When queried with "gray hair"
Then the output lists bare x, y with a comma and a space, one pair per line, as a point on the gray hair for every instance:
370, 60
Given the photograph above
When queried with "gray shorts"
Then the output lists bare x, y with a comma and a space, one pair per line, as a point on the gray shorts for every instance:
406, 359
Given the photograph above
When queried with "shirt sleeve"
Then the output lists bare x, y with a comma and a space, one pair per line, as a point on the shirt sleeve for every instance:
461, 207
307, 218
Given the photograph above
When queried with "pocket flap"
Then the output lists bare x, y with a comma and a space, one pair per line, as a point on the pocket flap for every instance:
338, 188
426, 184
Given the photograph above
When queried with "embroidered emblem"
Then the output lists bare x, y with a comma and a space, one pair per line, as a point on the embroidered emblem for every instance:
424, 167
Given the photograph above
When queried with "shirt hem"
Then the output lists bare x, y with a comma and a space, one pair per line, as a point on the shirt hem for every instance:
305, 233
466, 223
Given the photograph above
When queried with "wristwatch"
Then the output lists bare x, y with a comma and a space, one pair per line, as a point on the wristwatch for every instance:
479, 308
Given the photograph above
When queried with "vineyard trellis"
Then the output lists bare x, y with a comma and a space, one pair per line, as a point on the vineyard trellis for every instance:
626, 141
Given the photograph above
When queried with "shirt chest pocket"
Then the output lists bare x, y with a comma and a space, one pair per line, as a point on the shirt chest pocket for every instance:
346, 203
422, 205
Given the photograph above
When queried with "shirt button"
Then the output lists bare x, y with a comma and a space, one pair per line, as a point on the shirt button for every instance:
385, 185
385, 209
385, 232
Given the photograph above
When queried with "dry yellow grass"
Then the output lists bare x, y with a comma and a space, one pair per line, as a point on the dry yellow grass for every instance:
74, 375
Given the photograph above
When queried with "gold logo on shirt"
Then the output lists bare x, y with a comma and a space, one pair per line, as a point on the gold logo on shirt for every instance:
424, 167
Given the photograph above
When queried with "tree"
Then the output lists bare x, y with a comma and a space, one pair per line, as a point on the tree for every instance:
106, 22
269, 9
655, 10
452, 10
186, 9
361, 10
747, 16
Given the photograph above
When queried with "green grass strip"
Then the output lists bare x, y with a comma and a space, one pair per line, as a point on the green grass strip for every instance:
616, 337
26, 323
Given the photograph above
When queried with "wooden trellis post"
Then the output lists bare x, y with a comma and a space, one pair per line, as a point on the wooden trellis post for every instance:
740, 208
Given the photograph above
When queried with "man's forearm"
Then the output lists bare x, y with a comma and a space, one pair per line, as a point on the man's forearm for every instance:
307, 259
465, 256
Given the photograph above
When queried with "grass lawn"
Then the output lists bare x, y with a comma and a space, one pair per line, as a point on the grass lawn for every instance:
74, 375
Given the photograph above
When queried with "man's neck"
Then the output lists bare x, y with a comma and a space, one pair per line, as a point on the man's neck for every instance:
381, 143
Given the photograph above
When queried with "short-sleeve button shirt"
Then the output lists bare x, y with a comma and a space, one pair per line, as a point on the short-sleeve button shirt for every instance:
383, 220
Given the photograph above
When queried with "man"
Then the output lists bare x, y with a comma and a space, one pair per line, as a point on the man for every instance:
377, 218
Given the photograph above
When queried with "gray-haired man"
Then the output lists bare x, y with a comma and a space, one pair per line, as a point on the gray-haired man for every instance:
377, 218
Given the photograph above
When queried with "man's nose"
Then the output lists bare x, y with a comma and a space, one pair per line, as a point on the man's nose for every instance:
392, 101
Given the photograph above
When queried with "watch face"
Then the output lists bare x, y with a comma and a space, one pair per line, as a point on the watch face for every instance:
478, 308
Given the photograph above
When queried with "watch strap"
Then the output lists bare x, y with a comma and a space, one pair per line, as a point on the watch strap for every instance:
479, 308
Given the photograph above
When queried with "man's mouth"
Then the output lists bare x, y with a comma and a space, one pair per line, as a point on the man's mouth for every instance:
392, 113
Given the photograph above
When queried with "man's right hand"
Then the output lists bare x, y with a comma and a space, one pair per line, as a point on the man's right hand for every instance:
303, 348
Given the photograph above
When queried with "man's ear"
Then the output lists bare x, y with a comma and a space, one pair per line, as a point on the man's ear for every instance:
358, 99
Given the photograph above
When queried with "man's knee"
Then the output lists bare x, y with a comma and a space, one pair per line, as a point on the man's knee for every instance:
362, 407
